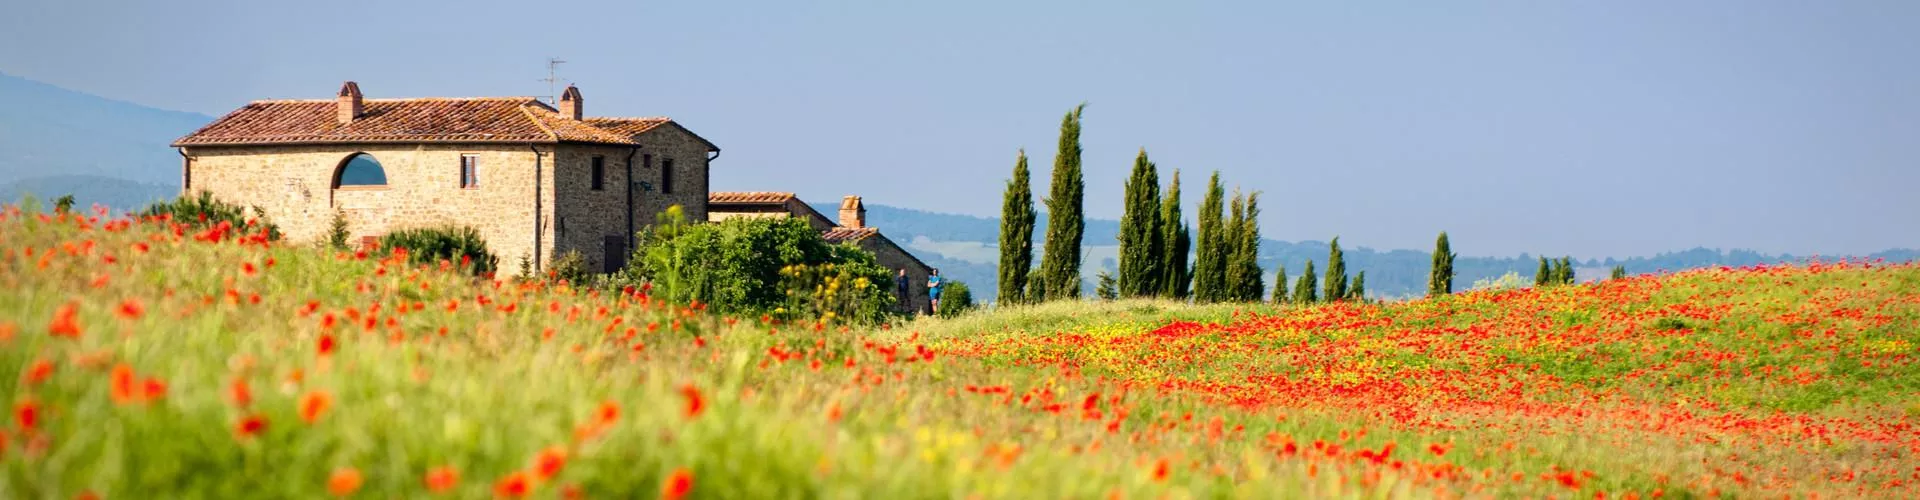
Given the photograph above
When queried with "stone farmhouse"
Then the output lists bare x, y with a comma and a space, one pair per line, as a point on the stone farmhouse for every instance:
535, 181
850, 227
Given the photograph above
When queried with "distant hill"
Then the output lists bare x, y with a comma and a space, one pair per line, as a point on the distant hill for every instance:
969, 247
49, 136
55, 141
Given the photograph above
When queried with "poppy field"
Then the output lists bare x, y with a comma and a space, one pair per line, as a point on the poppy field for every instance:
155, 359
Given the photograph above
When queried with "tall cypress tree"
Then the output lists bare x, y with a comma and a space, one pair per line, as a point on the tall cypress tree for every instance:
1566, 270
1231, 288
1141, 238
1065, 225
1618, 272
1016, 234
1175, 278
1247, 248
1358, 293
1280, 284
1440, 279
1304, 293
1210, 263
1336, 285
1544, 275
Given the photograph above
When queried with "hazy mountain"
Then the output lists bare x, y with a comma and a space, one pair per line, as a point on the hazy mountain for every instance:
55, 141
49, 131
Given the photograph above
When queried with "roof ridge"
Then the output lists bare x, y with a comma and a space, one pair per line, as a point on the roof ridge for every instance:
404, 99
624, 118
538, 123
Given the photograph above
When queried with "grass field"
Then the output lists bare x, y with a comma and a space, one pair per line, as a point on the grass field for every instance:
148, 360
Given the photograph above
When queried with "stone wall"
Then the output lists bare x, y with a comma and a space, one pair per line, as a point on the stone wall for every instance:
294, 184
894, 258
690, 173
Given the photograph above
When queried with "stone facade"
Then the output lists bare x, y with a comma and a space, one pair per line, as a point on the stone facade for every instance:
850, 227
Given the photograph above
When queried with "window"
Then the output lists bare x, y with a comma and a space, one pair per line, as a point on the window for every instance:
469, 171
599, 173
360, 170
666, 176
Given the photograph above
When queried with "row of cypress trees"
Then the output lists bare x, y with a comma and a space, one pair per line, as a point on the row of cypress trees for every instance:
1155, 241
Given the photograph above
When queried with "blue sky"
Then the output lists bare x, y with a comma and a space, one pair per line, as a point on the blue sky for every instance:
1591, 129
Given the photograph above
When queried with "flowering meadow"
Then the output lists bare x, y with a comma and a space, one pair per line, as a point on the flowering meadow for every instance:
151, 359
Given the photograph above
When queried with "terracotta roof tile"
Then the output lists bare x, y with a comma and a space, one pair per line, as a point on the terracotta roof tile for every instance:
417, 120
748, 197
845, 234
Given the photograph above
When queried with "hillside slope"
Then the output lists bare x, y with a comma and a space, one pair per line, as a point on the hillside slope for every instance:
146, 359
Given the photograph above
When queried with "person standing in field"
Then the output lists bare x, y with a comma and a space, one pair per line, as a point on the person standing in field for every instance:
900, 287
933, 290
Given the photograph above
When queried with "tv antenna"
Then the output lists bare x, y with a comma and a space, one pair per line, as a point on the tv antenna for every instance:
552, 64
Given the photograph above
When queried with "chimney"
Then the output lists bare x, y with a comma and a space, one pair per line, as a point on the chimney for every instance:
349, 104
570, 103
853, 214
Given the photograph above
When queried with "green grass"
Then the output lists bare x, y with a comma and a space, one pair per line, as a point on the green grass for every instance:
828, 411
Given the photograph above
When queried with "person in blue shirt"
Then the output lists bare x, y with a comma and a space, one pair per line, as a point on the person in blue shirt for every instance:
933, 290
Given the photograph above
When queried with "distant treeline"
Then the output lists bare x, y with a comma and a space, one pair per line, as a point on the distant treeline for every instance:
1395, 273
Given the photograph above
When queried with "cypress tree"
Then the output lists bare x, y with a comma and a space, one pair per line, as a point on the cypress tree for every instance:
1280, 284
1359, 291
1231, 288
1618, 272
1248, 249
1566, 270
1336, 285
1210, 264
1016, 234
1543, 275
1303, 294
1105, 289
1036, 286
1440, 279
1065, 225
1141, 238
1175, 279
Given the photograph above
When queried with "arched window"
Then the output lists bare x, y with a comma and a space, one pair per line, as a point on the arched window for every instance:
360, 170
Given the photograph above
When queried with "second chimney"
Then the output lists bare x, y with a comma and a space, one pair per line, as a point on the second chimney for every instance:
349, 104
570, 103
853, 214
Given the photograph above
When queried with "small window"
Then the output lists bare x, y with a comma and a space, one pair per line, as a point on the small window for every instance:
469, 172
360, 170
666, 176
599, 173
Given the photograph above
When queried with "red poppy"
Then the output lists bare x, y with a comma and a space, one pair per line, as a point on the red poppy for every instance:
126, 388
314, 404
695, 402
443, 478
26, 415
549, 462
131, 309
250, 426
609, 412
66, 321
344, 481
326, 344
39, 371
515, 485
239, 392
678, 484
1161, 469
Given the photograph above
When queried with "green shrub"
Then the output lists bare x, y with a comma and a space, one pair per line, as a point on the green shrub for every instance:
203, 211
772, 266
570, 267
63, 204
459, 245
955, 300
337, 231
